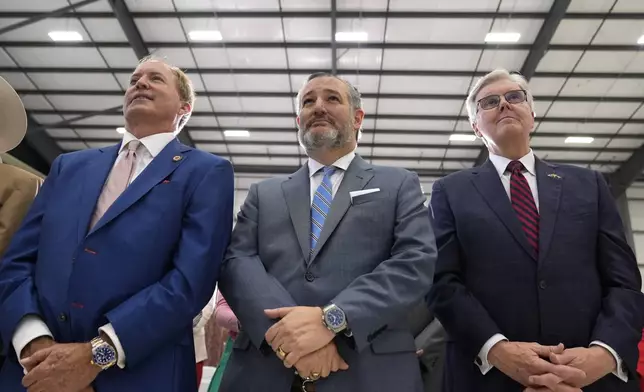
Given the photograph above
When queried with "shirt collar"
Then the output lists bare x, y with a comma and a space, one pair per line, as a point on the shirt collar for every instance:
153, 143
342, 163
501, 163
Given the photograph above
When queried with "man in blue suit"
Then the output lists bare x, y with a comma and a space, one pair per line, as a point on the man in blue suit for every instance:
119, 252
535, 283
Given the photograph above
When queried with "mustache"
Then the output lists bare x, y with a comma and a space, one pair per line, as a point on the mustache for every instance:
317, 119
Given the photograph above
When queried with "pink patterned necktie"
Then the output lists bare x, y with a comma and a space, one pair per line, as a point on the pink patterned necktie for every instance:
117, 181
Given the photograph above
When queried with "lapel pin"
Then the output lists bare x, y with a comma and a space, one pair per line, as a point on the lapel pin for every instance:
176, 158
554, 175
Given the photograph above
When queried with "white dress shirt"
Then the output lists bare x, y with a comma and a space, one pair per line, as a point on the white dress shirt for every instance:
31, 326
501, 164
316, 174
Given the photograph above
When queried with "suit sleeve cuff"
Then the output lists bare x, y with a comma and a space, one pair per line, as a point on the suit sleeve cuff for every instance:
481, 360
109, 331
28, 329
620, 372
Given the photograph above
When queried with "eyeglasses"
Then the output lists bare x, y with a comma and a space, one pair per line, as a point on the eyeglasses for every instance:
493, 101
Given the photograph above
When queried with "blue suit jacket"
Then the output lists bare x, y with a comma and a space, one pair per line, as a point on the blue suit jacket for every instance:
148, 266
584, 286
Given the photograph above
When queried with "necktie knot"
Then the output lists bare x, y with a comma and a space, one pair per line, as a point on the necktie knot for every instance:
515, 167
328, 170
133, 145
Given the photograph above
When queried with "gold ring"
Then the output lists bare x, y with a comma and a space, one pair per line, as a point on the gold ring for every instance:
315, 376
281, 353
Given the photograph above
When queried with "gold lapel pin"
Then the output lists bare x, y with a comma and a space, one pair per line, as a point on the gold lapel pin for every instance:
554, 175
177, 158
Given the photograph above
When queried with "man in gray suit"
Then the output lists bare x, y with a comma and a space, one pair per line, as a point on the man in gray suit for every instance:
324, 264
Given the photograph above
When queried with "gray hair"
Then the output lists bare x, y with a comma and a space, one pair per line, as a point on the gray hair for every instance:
355, 98
495, 76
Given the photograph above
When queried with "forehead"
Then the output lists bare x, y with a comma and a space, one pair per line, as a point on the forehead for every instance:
325, 83
153, 66
498, 87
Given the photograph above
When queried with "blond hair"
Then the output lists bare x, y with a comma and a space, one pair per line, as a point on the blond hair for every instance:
495, 76
184, 86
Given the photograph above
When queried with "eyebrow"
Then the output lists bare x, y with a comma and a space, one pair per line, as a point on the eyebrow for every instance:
326, 90
152, 73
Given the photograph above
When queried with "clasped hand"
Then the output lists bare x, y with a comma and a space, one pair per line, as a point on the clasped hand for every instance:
300, 340
53, 367
550, 368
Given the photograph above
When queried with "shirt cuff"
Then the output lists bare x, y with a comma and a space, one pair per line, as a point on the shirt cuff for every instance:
481, 360
620, 372
109, 331
28, 329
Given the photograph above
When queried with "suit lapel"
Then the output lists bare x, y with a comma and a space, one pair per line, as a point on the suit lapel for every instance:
298, 199
356, 178
161, 166
92, 185
549, 186
487, 182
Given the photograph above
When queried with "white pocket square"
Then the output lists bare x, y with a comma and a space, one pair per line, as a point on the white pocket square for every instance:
362, 192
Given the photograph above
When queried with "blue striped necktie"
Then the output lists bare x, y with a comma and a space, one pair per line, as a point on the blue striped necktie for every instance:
321, 205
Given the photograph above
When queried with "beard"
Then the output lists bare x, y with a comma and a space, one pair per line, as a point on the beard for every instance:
330, 139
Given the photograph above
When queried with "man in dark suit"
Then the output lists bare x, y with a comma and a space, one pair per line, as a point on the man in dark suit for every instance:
531, 255
343, 248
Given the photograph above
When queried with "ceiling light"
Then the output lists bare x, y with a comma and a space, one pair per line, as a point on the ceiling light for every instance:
502, 37
120, 130
580, 139
459, 137
205, 35
641, 40
351, 36
65, 36
236, 133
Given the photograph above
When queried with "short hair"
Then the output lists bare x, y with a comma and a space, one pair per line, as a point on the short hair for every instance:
184, 85
355, 98
495, 76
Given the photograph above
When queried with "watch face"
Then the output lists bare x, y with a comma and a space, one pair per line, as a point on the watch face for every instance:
335, 318
104, 355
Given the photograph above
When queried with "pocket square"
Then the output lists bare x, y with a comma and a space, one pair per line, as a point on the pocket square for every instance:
363, 192
166, 182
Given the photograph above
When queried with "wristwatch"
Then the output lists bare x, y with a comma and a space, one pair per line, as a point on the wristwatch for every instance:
334, 318
103, 354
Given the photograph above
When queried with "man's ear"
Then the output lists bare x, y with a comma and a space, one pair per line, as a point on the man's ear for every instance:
185, 109
475, 128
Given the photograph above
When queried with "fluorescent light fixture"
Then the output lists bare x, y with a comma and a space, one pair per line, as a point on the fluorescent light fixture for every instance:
351, 36
579, 139
236, 133
459, 137
641, 40
120, 130
502, 37
205, 35
65, 36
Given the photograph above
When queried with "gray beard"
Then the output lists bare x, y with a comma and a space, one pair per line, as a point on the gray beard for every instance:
328, 140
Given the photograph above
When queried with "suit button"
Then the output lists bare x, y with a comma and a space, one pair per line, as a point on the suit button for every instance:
62, 317
542, 284
309, 276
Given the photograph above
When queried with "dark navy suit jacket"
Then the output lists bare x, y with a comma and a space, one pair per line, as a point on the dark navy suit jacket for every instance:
584, 286
148, 266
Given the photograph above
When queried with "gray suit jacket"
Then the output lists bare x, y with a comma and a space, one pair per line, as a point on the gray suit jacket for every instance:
375, 259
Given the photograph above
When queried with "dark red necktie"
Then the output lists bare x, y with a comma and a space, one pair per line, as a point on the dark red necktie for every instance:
524, 205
